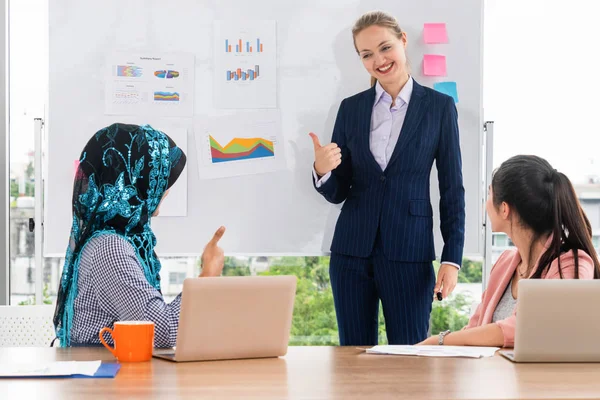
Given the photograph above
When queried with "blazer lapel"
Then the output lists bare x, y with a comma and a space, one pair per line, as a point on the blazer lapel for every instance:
500, 289
366, 111
416, 110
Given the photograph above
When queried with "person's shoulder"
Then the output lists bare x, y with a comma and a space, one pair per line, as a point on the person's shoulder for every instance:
108, 248
434, 95
355, 99
111, 241
505, 260
585, 264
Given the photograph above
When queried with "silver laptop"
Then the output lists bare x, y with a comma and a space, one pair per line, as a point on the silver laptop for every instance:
557, 321
233, 317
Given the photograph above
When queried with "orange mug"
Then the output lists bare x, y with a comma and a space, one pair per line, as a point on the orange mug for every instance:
134, 340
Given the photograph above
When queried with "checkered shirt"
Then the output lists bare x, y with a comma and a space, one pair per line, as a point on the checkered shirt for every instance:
112, 287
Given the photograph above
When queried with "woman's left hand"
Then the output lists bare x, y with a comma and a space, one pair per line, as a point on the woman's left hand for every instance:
446, 280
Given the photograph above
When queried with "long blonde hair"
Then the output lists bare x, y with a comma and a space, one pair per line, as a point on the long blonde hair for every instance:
378, 18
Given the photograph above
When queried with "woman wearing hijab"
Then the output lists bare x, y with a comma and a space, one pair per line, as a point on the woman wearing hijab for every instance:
111, 271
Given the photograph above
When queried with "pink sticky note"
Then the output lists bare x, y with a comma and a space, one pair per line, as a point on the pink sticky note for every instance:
435, 33
75, 166
434, 65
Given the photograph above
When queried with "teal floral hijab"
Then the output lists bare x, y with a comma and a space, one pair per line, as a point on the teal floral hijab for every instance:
124, 171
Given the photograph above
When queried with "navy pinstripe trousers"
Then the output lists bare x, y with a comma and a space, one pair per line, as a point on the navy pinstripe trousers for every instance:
405, 290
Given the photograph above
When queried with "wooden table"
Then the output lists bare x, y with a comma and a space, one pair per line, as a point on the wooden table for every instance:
309, 373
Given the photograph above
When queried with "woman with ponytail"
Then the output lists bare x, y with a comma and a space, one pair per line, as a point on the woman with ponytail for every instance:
537, 207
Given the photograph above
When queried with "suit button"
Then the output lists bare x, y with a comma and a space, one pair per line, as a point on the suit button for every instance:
382, 179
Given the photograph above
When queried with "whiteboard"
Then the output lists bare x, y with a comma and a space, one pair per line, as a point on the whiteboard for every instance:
269, 213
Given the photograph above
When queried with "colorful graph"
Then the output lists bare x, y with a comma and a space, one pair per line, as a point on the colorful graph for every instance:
243, 74
169, 74
166, 96
244, 49
129, 71
240, 149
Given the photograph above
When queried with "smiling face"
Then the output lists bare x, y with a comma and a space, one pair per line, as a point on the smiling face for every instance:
382, 53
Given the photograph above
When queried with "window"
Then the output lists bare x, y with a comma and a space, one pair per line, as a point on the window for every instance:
526, 85
499, 240
528, 59
314, 320
28, 35
454, 313
177, 278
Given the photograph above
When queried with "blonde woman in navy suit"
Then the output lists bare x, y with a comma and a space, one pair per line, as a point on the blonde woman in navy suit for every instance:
379, 162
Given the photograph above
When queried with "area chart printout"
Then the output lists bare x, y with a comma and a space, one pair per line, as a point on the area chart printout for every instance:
241, 149
251, 143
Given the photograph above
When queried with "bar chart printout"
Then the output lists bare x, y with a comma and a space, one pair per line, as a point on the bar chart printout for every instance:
243, 75
245, 70
247, 47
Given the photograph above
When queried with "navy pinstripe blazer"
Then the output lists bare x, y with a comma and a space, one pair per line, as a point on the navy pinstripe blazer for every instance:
397, 201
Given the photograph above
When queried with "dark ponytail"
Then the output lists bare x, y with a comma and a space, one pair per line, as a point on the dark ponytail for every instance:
547, 203
571, 228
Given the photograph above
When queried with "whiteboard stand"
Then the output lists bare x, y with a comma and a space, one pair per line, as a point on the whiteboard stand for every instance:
37, 225
488, 151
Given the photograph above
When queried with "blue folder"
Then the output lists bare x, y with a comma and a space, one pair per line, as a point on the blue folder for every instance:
106, 370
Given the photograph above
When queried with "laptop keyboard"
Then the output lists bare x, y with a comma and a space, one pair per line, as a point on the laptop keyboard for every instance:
509, 354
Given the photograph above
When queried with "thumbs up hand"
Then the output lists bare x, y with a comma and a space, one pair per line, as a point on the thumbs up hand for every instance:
327, 158
213, 257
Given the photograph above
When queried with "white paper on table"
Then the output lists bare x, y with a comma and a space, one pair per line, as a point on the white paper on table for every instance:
57, 368
435, 351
